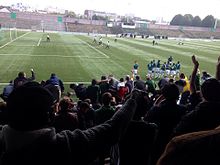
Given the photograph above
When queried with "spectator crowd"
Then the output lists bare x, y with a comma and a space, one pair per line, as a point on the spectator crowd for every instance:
117, 122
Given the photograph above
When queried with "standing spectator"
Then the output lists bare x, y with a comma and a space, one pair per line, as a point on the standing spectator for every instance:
206, 114
86, 115
122, 90
151, 86
21, 79
102, 115
128, 83
93, 92
30, 139
139, 84
54, 80
106, 111
7, 90
166, 115
104, 85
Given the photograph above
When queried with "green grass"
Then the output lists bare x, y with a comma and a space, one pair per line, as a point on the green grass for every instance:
75, 58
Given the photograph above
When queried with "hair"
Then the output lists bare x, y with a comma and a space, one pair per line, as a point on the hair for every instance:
21, 74
210, 90
52, 75
182, 76
121, 80
170, 92
64, 105
127, 78
103, 78
84, 107
29, 107
94, 82
106, 98
137, 77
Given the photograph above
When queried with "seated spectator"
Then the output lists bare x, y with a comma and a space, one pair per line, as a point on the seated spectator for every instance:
21, 79
29, 138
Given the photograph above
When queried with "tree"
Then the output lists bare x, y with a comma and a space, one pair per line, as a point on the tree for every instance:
188, 19
177, 20
71, 14
97, 17
196, 21
208, 21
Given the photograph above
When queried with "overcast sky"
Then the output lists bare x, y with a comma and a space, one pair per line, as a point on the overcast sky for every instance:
149, 9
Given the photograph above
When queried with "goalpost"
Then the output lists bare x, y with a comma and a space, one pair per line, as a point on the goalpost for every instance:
13, 33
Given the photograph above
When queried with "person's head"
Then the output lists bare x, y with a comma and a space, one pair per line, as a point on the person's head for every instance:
210, 90
84, 107
170, 92
121, 80
204, 73
52, 75
30, 107
103, 78
127, 77
182, 76
94, 82
21, 74
64, 105
106, 98
137, 77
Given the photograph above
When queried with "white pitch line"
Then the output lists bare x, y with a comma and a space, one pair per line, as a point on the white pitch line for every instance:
13, 40
38, 44
52, 55
94, 48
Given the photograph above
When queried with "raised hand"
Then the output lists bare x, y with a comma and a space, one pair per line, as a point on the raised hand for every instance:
195, 62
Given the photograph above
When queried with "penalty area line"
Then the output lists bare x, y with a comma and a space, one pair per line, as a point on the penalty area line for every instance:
38, 44
13, 40
100, 52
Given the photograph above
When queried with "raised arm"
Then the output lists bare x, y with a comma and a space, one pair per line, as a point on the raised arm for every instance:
32, 75
193, 76
86, 145
218, 69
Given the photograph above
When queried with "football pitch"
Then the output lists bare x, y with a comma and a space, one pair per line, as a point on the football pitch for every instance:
75, 58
